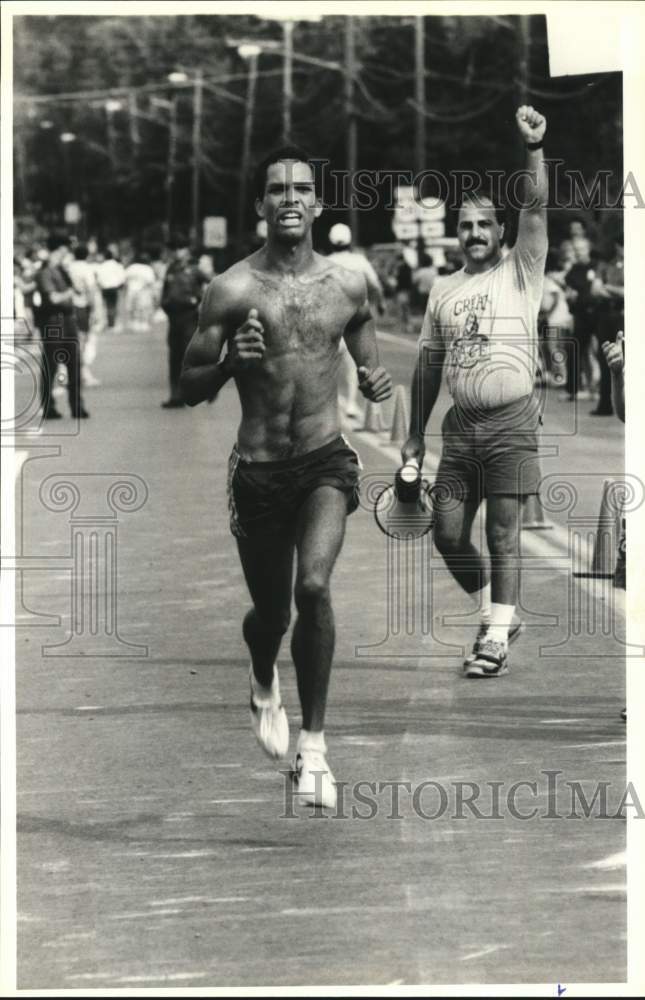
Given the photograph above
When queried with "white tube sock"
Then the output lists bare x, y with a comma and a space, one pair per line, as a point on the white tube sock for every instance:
482, 600
501, 617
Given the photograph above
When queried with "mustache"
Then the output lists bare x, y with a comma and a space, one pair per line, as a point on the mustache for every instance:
476, 243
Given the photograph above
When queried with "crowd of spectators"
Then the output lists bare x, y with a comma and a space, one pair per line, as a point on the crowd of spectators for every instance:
68, 294
582, 308
122, 287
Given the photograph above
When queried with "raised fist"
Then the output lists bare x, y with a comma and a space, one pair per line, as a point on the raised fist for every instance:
531, 124
247, 345
375, 385
614, 353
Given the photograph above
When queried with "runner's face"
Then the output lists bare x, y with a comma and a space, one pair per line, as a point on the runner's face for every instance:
289, 205
479, 233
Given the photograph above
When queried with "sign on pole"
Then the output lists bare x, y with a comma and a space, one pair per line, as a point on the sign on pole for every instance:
72, 213
215, 234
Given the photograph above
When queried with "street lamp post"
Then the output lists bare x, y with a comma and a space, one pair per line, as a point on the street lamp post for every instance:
66, 139
170, 170
249, 52
420, 79
179, 77
111, 106
287, 80
198, 93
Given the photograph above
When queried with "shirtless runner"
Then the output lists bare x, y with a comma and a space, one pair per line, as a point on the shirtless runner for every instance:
293, 478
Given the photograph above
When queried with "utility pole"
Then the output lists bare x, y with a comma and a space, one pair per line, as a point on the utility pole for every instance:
287, 80
170, 169
420, 81
350, 119
250, 52
198, 100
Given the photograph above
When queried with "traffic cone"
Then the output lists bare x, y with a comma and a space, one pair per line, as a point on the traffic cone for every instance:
603, 560
372, 420
400, 419
533, 518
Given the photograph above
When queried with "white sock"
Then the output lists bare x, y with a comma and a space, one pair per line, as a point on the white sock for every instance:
311, 741
482, 601
501, 616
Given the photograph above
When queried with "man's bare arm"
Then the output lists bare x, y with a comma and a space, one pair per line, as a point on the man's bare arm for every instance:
203, 374
426, 383
532, 231
360, 336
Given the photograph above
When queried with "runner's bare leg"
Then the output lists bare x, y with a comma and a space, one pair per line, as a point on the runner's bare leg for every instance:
268, 570
320, 533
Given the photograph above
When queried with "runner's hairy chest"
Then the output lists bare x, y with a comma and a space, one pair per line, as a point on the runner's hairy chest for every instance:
306, 316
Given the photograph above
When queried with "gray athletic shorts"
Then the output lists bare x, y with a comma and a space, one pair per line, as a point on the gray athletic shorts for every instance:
493, 451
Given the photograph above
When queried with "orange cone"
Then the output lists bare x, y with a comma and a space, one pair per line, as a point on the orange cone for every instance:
603, 560
372, 421
533, 518
401, 418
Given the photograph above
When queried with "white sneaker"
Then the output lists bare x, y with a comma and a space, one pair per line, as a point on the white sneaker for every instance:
89, 380
313, 780
269, 719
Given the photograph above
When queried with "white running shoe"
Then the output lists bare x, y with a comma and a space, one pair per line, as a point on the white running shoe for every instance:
269, 719
89, 379
313, 780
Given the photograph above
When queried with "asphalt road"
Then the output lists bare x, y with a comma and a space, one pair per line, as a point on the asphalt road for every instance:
158, 847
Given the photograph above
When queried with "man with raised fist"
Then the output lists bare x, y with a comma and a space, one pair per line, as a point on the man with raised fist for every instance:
293, 478
481, 326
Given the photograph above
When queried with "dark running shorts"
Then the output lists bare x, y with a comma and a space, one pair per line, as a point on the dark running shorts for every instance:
264, 497
493, 452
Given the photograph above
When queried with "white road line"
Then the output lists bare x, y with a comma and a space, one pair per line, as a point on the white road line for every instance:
484, 951
174, 977
89, 976
561, 722
610, 863
587, 746
590, 889
256, 850
311, 911
165, 857
144, 913
225, 802
200, 899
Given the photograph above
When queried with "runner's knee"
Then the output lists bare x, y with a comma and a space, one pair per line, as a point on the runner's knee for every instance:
502, 539
270, 621
311, 588
448, 542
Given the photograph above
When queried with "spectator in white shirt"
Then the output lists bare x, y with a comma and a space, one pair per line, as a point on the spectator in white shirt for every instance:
111, 275
140, 289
